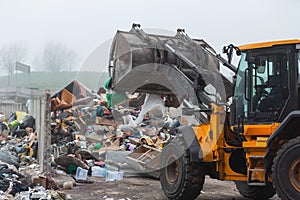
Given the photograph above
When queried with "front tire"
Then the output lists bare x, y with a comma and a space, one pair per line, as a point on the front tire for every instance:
286, 170
255, 192
180, 178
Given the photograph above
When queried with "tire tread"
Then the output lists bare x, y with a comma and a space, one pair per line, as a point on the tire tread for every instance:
193, 180
277, 159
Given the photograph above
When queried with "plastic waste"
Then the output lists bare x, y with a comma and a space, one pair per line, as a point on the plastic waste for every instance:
99, 171
151, 101
81, 174
114, 176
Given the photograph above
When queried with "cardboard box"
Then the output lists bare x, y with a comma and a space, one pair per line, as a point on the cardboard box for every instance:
40, 180
105, 121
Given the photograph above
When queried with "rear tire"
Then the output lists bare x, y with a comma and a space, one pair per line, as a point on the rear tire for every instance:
286, 170
179, 177
255, 192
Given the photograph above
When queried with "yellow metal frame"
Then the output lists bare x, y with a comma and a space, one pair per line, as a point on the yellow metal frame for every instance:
212, 141
268, 44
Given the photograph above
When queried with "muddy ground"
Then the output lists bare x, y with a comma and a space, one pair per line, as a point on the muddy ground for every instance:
131, 188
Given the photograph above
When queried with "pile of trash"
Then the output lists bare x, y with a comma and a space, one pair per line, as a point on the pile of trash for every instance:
83, 133
92, 134
18, 136
18, 151
10, 184
20, 177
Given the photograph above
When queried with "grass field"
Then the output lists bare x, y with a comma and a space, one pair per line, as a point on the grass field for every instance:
54, 80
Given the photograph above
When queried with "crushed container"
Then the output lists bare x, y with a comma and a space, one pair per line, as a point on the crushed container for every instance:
99, 171
81, 174
114, 175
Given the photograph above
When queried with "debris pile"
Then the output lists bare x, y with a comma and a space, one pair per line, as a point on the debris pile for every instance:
92, 134
20, 177
84, 134
18, 150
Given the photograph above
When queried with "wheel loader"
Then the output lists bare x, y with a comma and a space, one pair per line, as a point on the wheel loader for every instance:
248, 127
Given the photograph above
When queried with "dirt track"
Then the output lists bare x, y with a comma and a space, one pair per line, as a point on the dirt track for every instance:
148, 189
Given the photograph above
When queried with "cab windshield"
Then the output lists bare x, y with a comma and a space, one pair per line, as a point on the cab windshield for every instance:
261, 85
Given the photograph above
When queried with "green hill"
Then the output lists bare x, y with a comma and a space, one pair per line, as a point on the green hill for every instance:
54, 80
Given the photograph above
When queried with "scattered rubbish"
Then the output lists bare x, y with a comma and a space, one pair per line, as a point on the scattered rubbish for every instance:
114, 176
25, 195
41, 180
81, 174
90, 136
68, 185
145, 159
99, 171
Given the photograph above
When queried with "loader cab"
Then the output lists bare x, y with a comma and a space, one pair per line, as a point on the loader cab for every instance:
266, 82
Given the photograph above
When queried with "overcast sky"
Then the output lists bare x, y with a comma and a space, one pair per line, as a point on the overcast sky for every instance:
84, 25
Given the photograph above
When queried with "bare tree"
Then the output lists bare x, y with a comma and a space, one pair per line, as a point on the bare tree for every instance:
73, 59
57, 57
11, 54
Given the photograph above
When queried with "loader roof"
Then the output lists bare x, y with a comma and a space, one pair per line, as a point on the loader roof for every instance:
267, 44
